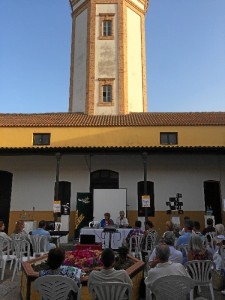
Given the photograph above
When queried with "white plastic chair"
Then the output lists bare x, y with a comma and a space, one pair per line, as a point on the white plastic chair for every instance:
201, 272
21, 251
135, 247
39, 244
56, 287
171, 287
5, 248
110, 291
150, 241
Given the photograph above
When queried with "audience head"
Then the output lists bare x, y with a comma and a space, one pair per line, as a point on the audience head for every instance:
196, 226
209, 222
19, 227
195, 243
219, 229
162, 252
188, 225
42, 224
56, 258
148, 224
108, 257
169, 225
2, 225
137, 224
169, 238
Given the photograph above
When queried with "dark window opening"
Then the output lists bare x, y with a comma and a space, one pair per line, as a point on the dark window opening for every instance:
168, 138
41, 139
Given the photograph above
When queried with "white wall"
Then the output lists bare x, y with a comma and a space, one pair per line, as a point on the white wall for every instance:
34, 177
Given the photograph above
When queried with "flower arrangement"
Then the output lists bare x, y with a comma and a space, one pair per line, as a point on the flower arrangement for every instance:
83, 259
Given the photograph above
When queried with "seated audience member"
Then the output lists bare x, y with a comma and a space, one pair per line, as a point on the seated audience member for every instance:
175, 255
122, 221
108, 273
209, 227
197, 250
196, 230
219, 229
41, 231
149, 227
186, 218
169, 226
177, 230
184, 238
55, 260
106, 221
135, 231
19, 230
163, 266
2, 233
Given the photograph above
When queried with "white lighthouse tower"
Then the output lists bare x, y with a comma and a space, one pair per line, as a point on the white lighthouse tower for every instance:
108, 61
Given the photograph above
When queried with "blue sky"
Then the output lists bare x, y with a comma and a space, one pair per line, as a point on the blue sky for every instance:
185, 46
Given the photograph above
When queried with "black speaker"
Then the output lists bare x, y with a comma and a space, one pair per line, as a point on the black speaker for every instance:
64, 195
150, 191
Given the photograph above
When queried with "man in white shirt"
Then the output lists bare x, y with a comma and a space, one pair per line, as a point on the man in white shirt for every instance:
122, 221
164, 266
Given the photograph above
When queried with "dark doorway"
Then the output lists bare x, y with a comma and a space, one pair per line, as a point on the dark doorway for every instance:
104, 179
150, 191
213, 199
5, 196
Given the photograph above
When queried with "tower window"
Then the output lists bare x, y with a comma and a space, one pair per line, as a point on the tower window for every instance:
168, 138
107, 93
106, 30
41, 139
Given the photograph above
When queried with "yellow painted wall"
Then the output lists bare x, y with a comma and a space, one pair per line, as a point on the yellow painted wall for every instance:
114, 136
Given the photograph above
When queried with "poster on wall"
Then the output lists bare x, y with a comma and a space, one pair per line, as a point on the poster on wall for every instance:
84, 211
57, 206
145, 200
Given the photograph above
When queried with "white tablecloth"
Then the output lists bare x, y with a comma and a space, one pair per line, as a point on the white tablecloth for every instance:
102, 237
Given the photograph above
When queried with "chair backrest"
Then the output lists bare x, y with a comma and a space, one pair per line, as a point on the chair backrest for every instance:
56, 287
110, 291
150, 241
136, 242
5, 246
21, 248
184, 249
39, 243
172, 287
200, 270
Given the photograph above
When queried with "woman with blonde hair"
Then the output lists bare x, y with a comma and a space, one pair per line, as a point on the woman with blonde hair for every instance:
19, 231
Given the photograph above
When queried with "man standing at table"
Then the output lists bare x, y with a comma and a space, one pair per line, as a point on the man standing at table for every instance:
122, 221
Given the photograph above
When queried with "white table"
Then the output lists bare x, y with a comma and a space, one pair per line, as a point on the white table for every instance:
103, 237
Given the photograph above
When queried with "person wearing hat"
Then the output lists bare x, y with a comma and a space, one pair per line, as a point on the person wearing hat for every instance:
122, 221
175, 255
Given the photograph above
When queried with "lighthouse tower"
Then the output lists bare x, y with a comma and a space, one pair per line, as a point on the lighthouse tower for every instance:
108, 61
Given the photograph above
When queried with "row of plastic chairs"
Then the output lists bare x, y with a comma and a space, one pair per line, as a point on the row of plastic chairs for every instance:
57, 287
18, 250
178, 287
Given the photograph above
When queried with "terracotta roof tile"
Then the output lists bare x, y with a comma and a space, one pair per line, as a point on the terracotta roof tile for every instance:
132, 119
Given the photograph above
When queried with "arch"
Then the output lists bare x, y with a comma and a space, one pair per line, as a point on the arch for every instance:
104, 179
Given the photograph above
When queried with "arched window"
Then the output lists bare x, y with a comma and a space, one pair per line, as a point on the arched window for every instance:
104, 179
